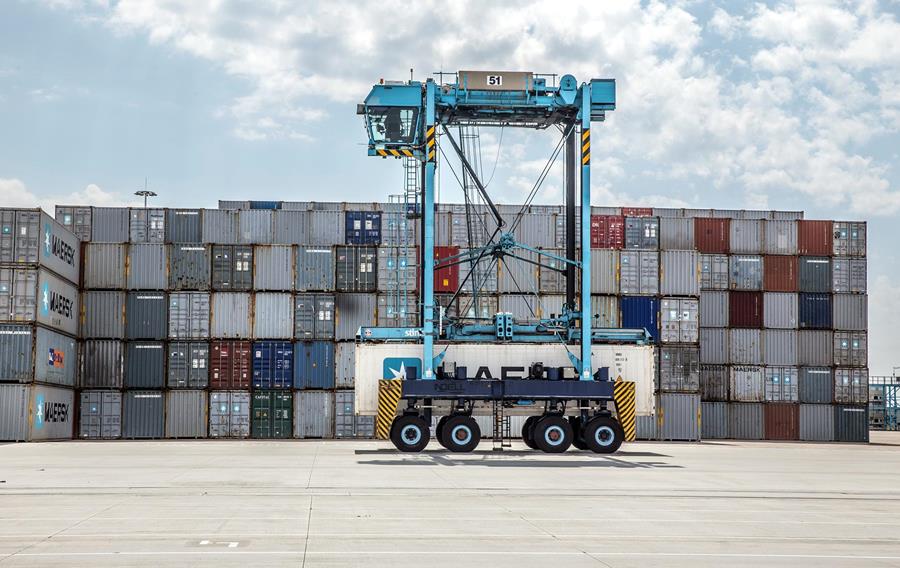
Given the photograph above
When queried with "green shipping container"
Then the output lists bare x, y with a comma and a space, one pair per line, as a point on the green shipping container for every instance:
271, 414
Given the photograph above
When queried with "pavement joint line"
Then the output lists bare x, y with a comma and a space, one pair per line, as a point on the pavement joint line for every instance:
511, 553
306, 540
362, 536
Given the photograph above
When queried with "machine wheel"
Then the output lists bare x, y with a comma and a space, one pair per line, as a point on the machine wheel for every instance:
528, 431
553, 434
439, 430
461, 433
409, 433
603, 434
577, 431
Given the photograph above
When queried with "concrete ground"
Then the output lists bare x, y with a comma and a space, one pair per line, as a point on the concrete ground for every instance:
319, 503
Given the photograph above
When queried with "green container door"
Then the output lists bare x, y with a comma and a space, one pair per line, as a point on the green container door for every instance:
272, 414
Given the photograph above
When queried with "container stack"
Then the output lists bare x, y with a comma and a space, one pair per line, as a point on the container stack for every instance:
39, 305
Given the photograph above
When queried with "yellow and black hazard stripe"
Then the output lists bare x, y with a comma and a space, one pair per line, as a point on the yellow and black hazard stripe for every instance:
388, 398
395, 153
430, 148
624, 397
586, 147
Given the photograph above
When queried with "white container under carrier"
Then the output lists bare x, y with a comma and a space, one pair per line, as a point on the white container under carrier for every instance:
31, 295
375, 361
36, 412
30, 237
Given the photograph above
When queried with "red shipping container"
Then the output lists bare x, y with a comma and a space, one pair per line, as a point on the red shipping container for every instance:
637, 211
745, 309
815, 237
780, 273
712, 235
782, 421
230, 365
446, 279
607, 231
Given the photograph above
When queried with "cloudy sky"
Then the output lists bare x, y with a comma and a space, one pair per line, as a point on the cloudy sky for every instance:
720, 104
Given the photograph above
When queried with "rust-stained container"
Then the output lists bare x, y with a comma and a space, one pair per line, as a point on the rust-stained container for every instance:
815, 237
607, 231
230, 365
745, 309
637, 211
446, 279
712, 235
780, 273
782, 421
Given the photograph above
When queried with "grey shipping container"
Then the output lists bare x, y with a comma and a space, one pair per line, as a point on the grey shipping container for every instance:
713, 383
36, 412
679, 273
256, 226
815, 274
679, 416
229, 414
851, 312
230, 315
745, 346
186, 414
221, 227
483, 278
326, 227
315, 269
75, 219
604, 271
714, 420
346, 423
29, 353
104, 266
30, 295
397, 270
290, 227
189, 267
646, 427
679, 320
780, 310
851, 386
713, 308
850, 349
605, 310
780, 347
356, 269
397, 229
109, 225
518, 276
147, 225
638, 273
746, 272
679, 369
782, 384
102, 364
147, 267
232, 268
314, 414
146, 315
103, 315
551, 273
815, 348
848, 275
101, 415
273, 268
559, 240
714, 272
145, 365
849, 238
817, 422
745, 421
184, 226
345, 361
314, 316
188, 315
746, 384
351, 312
143, 414
642, 233
781, 237
676, 233
397, 309
188, 365
473, 307
714, 346
31, 238
746, 236
816, 385
851, 423
273, 316
537, 230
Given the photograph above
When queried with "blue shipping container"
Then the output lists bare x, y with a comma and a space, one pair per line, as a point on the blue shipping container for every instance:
265, 205
272, 365
640, 312
363, 227
314, 365
815, 311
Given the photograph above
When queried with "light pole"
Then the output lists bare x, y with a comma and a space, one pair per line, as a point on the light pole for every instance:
145, 193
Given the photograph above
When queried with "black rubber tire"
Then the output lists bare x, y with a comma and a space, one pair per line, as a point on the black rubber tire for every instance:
439, 430
603, 434
553, 434
577, 440
461, 434
528, 431
410, 433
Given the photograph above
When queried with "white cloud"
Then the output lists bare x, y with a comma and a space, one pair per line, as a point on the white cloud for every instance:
14, 193
884, 313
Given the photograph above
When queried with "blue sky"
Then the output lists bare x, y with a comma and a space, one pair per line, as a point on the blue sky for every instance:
727, 104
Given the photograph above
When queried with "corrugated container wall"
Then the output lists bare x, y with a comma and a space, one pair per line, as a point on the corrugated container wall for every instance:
188, 315
850, 349
273, 364
109, 225
100, 415
255, 226
679, 273
639, 312
780, 310
714, 424
679, 369
782, 384
314, 365
746, 272
25, 351
851, 423
639, 273
814, 348
604, 271
147, 225
815, 237
745, 346
814, 311
745, 309
38, 295
642, 233
273, 316
678, 320
21, 418
356, 269
102, 362
815, 274
714, 346
849, 275
850, 312
145, 365
186, 414
780, 347
313, 414
781, 237
605, 310
849, 239
712, 235
714, 272
232, 268
75, 219
148, 267
143, 414
290, 227
607, 231
326, 227
30, 237
221, 227
189, 267
746, 236
747, 384
352, 312
782, 421
676, 233
231, 315
314, 316
271, 414
104, 266
315, 269
780, 273
273, 268
713, 309
145, 315
185, 226
362, 228
679, 417
230, 364
229, 414
746, 421
713, 383
103, 315
816, 385
188, 365
816, 422
851, 386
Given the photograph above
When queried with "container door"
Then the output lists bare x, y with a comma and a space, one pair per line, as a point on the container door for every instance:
28, 236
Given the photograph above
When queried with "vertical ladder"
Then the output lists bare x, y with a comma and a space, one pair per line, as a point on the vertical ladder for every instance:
501, 438
412, 190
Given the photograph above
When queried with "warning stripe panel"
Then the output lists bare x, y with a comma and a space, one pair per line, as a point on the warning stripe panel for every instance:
624, 397
395, 153
388, 398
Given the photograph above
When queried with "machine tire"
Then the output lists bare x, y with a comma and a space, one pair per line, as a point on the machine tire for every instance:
461, 434
409, 433
553, 434
603, 434
439, 431
577, 431
528, 431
